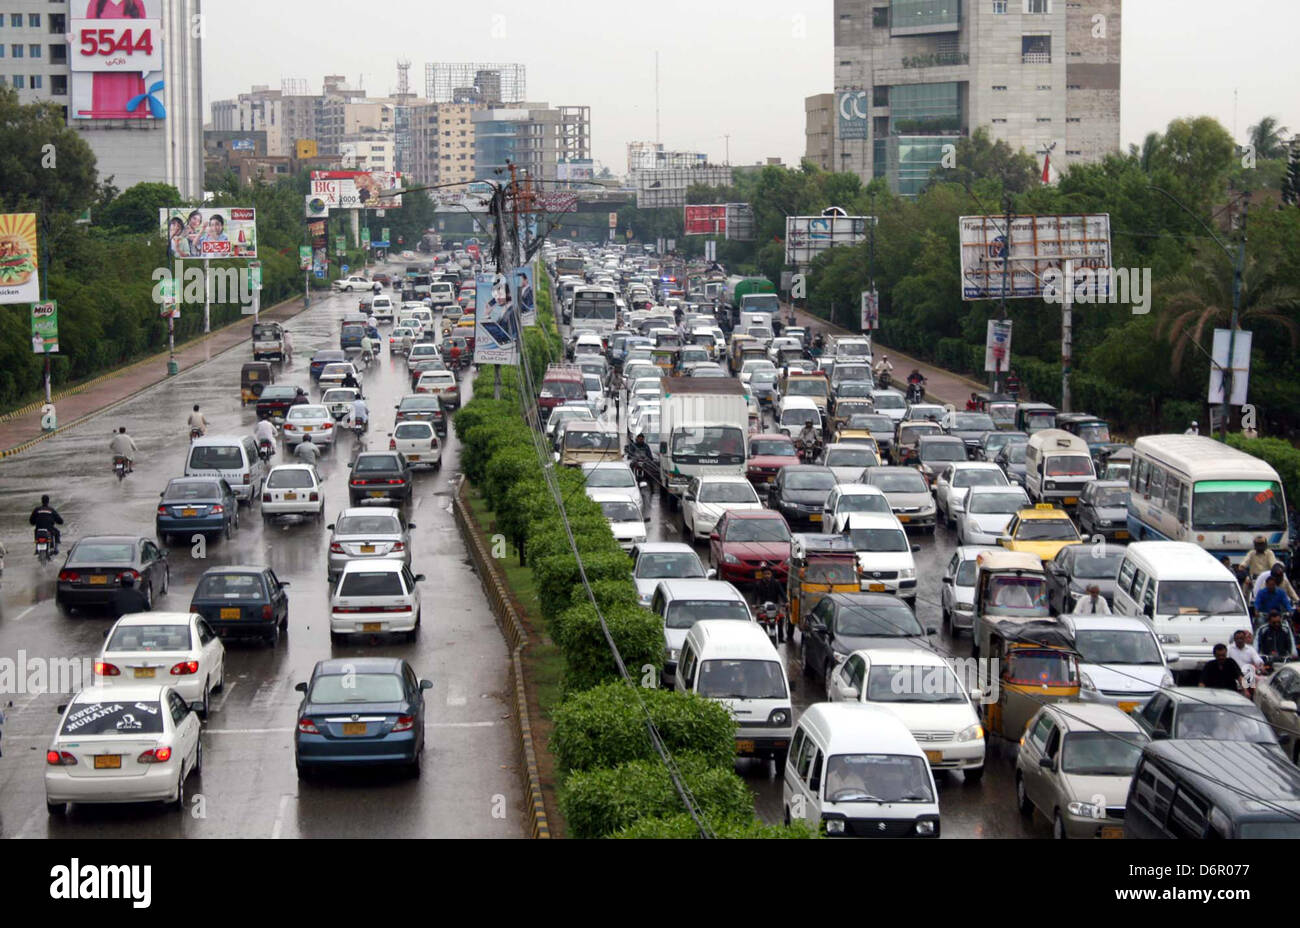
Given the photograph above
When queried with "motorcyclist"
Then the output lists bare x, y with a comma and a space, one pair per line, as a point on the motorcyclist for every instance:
808, 437
46, 517
1274, 640
123, 446
128, 598
882, 369
300, 398
360, 414
197, 421
264, 432
350, 380
306, 452
371, 345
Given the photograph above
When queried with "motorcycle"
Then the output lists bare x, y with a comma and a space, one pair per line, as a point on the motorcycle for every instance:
265, 448
44, 545
916, 392
195, 433
885, 380
808, 452
772, 617
120, 466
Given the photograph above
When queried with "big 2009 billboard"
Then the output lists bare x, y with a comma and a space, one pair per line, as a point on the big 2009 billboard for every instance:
115, 53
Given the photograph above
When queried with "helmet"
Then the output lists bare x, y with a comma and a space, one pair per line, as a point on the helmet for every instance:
1194, 423
307, 439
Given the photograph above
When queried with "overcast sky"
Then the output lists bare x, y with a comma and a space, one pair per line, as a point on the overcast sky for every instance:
737, 67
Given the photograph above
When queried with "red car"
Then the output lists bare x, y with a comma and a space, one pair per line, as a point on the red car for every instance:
559, 386
751, 545
767, 455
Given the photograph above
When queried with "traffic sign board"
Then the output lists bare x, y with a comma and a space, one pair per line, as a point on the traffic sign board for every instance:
344, 269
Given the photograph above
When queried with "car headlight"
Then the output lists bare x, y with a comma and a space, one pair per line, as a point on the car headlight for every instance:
907, 573
971, 733
1104, 523
1170, 639
961, 605
1167, 680
924, 828
1086, 810
779, 717
1086, 683
835, 826
730, 559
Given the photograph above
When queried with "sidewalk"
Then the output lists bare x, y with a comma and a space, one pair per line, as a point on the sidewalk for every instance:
78, 402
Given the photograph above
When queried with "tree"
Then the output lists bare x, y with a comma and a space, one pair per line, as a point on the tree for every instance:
981, 158
1266, 138
136, 208
45, 165
1194, 156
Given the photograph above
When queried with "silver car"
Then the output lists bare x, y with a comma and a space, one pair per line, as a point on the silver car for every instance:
957, 589
371, 532
908, 494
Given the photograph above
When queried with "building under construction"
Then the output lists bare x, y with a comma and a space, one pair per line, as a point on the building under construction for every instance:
467, 82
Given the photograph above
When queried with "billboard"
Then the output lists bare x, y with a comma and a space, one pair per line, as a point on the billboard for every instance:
496, 322
45, 327
474, 198
1239, 368
853, 114
20, 280
243, 145
575, 169
870, 310
997, 346
556, 202
343, 189
1038, 244
207, 233
524, 278
315, 207
115, 54
740, 222
660, 188
808, 236
706, 220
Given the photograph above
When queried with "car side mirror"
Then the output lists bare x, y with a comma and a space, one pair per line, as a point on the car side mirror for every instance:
915, 548
1173, 657
426, 684
714, 536
419, 578
330, 526
1047, 763
300, 687
162, 493
61, 708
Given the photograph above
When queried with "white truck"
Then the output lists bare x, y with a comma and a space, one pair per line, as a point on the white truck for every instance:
703, 429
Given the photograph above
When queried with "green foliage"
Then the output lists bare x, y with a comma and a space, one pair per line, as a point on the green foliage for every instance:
136, 210
1282, 455
638, 633
683, 827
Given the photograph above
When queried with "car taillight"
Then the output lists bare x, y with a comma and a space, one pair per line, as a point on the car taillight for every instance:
328, 425
185, 668
69, 576
133, 574
289, 427
59, 759
357, 483
162, 510
392, 444
336, 548
313, 497
404, 723
266, 497
155, 756
246, 477
105, 669
399, 546
395, 480
218, 508
266, 613
308, 727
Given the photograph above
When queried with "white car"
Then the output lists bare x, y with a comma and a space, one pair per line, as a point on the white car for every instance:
957, 588
147, 648
422, 352
932, 411
381, 309
595, 392
848, 498
418, 442
123, 744
624, 516
890, 403
884, 555
1121, 662
401, 339
612, 477
920, 689
442, 384
847, 461
293, 489
955, 481
339, 401
707, 498
375, 596
748, 368
332, 374
987, 512
664, 560
563, 414
355, 282
308, 419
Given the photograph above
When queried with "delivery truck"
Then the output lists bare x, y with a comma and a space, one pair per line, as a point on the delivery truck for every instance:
752, 294
703, 429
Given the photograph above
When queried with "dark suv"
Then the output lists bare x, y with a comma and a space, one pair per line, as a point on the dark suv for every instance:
379, 475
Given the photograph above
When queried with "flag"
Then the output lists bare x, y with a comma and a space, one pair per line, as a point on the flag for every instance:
1047, 168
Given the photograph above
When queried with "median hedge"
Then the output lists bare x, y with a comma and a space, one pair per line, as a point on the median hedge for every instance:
588, 662
1282, 455
683, 826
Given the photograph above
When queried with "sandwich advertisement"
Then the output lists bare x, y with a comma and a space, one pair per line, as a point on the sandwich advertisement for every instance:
19, 278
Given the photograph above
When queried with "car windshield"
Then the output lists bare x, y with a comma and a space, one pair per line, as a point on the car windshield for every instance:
620, 510
610, 477
863, 502
981, 477
150, 638
419, 404
1199, 597
919, 683
744, 679
809, 480
1047, 530
377, 524
1019, 596
879, 619
1238, 505
904, 480
795, 417
1095, 433
859, 388
878, 778
1110, 497
290, 478
1101, 562
1101, 753
230, 586
725, 443
1000, 503
1221, 723
102, 554
221, 457
376, 463
191, 491
728, 492
1040, 668
669, 565
568, 389
889, 401
357, 687
758, 530
337, 370
858, 415
118, 717
774, 447
372, 583
806, 386
1069, 465
973, 422
683, 613
590, 440
339, 395
1116, 646
911, 433
851, 457
943, 451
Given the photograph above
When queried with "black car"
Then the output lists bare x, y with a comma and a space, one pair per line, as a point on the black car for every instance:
1103, 509
993, 442
970, 427
323, 357
243, 602
1077, 567
842, 623
800, 492
93, 571
277, 398
1012, 461
935, 452
455, 341
379, 475
423, 407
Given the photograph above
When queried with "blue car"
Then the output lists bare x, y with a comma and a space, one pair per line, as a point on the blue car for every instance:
196, 504
360, 712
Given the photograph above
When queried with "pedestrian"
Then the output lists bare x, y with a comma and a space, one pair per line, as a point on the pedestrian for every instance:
1193, 429
288, 347
1013, 383
1093, 603
1221, 673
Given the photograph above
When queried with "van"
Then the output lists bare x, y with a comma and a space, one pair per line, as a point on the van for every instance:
1191, 600
736, 664
1213, 789
233, 457
855, 771
683, 602
1058, 466
268, 341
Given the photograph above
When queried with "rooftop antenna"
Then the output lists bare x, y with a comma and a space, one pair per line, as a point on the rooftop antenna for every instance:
403, 76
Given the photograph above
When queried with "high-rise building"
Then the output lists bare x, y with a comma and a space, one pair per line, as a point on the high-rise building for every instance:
912, 76
533, 136
260, 110
442, 143
819, 131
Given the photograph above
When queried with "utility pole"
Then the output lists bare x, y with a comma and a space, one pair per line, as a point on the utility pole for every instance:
1238, 268
1002, 302
871, 258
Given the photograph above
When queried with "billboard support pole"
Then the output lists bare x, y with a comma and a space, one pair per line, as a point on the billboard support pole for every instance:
1002, 302
1067, 330
207, 301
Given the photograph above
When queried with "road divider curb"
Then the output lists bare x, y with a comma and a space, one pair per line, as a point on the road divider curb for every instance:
494, 585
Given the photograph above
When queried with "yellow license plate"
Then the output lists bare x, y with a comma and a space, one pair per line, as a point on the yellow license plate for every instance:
99, 581
1128, 706
371, 626
770, 479
413, 457
934, 757
108, 761
1112, 831
189, 512
231, 613
354, 728
744, 747
762, 575
367, 549
815, 517
308, 428
144, 673
376, 494
289, 496
904, 518
876, 587
1121, 534
1070, 500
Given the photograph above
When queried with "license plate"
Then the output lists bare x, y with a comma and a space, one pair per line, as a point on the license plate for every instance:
99, 581
1121, 534
815, 517
762, 575
189, 512
744, 747
1112, 831
354, 728
934, 757
108, 761
413, 457
904, 518
289, 496
875, 587
144, 673
308, 428
376, 494
1070, 500
232, 613
770, 480
371, 626
367, 549
1128, 706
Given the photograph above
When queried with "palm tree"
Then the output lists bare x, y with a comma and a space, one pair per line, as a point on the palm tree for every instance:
1266, 138
1202, 297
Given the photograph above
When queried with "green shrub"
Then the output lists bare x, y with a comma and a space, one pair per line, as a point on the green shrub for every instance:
610, 593
558, 577
638, 633
1282, 455
507, 468
683, 827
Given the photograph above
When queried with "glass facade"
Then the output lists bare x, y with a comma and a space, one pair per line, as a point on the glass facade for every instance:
912, 158
925, 108
494, 144
916, 17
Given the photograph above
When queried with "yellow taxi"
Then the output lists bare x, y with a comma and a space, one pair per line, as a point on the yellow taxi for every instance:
847, 436
1043, 530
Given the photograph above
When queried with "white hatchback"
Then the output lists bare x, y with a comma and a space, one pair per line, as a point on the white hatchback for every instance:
176, 648
375, 596
293, 489
308, 419
332, 375
418, 442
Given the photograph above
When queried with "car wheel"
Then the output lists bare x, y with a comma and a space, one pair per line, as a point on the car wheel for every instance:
148, 597
197, 769
413, 770
228, 531
273, 638
304, 773
1058, 827
236, 518
974, 775
179, 802
207, 701
167, 582
221, 682
56, 808
1022, 799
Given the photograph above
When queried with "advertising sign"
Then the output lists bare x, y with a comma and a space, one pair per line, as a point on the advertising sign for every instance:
575, 169
997, 346
1239, 368
243, 145
870, 310
808, 236
740, 222
1039, 244
706, 220
45, 327
115, 53
221, 232
557, 202
613, 220
853, 111
340, 244
167, 288
304, 257
19, 263
315, 206
496, 323
347, 187
523, 280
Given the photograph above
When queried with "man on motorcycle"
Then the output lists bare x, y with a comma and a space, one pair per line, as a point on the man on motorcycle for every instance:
350, 380
360, 414
882, 369
306, 452
300, 398
973, 404
371, 346
453, 356
196, 421
123, 446
808, 438
44, 516
264, 434
1274, 640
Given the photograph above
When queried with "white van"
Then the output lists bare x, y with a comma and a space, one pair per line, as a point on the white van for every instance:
233, 457
736, 664
441, 293
425, 315
1058, 465
1191, 600
856, 771
683, 602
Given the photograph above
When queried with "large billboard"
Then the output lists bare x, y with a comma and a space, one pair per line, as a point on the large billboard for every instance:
1038, 244
853, 113
496, 321
343, 189
808, 236
115, 53
20, 280
208, 233
740, 222
706, 220
575, 169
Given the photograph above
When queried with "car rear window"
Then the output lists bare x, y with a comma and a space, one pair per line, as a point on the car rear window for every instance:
189, 491
102, 554
117, 717
290, 478
150, 638
372, 583
230, 586
411, 430
357, 687
376, 462
368, 525
217, 457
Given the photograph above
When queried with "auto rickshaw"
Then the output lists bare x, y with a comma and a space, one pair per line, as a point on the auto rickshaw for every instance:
1000, 408
254, 377
1009, 585
665, 358
1034, 417
819, 565
1035, 663
738, 342
755, 415
1115, 463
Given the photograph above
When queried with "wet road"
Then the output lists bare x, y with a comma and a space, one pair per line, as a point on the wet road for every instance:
248, 786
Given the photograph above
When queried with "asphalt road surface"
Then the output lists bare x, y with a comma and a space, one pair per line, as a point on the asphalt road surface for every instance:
248, 786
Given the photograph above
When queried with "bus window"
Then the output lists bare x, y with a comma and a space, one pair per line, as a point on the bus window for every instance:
1157, 485
1184, 503
1143, 471
1139, 579
1171, 495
